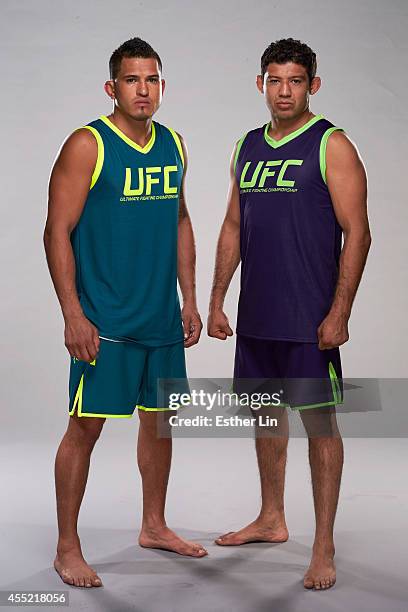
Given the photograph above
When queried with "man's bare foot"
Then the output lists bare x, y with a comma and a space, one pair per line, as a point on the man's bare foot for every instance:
321, 573
166, 539
74, 570
260, 530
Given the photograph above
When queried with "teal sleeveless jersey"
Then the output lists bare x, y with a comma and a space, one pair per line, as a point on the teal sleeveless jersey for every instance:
125, 243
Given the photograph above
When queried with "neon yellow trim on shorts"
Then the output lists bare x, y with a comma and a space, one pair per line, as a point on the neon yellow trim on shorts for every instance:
101, 154
109, 416
322, 151
178, 143
128, 140
322, 405
147, 409
337, 397
78, 400
78, 396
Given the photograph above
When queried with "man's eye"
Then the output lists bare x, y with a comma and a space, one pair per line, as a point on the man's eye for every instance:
130, 80
297, 81
272, 80
153, 80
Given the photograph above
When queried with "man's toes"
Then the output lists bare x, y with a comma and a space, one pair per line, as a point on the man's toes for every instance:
196, 551
66, 577
224, 536
96, 581
308, 583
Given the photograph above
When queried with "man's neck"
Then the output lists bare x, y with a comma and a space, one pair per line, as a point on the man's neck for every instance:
138, 130
280, 128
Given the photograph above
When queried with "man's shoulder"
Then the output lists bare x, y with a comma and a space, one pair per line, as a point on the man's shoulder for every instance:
253, 133
168, 130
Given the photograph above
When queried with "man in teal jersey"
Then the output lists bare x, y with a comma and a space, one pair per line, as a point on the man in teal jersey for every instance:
117, 237
297, 185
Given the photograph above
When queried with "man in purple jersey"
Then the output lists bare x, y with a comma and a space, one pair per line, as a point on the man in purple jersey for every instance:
297, 187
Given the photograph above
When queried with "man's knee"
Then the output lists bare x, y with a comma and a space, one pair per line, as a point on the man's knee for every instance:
156, 423
85, 429
320, 422
271, 422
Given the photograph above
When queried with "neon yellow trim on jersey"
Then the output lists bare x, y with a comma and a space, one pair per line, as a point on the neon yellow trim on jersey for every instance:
101, 154
322, 152
146, 409
278, 143
128, 141
237, 150
178, 144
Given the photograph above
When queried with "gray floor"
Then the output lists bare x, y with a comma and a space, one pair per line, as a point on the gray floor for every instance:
213, 488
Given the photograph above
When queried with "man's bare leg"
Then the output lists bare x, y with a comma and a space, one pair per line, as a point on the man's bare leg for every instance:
154, 460
326, 463
71, 473
271, 450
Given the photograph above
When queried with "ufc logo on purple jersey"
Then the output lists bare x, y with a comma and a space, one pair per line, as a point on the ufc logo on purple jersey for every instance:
263, 171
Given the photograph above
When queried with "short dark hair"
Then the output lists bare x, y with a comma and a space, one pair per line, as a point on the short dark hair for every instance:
290, 50
134, 47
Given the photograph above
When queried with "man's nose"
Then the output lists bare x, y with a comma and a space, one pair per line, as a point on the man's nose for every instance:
142, 89
284, 90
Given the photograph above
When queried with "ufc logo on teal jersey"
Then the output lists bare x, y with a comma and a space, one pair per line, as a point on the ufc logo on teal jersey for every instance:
146, 177
267, 172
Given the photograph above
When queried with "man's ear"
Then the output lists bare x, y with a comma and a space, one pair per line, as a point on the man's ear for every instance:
260, 83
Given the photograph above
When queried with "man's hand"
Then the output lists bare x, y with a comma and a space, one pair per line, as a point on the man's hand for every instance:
81, 338
333, 331
218, 325
192, 325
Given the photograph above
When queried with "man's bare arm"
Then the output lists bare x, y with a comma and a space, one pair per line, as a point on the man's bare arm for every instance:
186, 267
226, 261
68, 190
347, 184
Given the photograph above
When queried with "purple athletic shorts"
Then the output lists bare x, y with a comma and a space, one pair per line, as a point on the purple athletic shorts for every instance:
303, 375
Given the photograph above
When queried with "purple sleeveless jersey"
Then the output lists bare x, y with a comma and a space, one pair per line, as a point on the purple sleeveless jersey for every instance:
290, 237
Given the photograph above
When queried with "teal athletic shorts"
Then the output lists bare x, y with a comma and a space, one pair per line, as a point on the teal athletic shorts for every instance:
123, 377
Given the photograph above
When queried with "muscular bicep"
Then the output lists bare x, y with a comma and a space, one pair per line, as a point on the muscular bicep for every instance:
70, 180
346, 181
